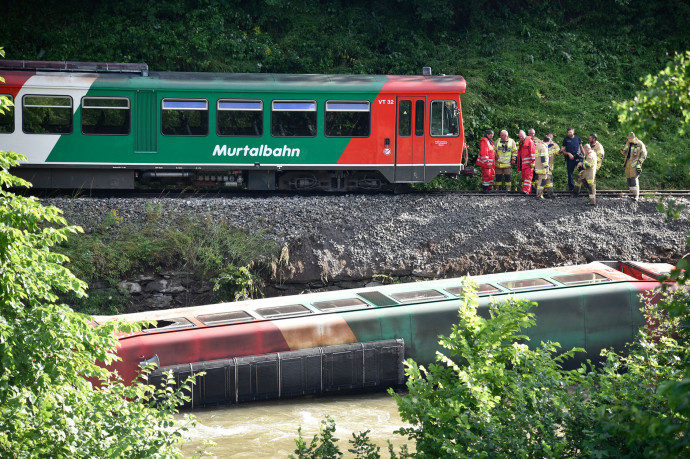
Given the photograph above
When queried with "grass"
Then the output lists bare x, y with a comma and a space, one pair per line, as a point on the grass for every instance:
208, 248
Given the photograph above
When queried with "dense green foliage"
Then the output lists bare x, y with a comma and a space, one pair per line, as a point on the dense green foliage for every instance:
490, 395
666, 94
543, 65
55, 401
208, 249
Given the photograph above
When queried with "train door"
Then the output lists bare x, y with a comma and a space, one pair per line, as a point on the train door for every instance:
146, 123
410, 139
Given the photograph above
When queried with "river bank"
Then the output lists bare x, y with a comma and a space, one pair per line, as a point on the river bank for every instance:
348, 241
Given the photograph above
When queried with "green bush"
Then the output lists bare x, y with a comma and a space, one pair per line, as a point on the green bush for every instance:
208, 248
55, 399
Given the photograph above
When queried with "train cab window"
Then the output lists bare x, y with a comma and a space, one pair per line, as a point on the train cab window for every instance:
105, 115
184, 117
348, 118
445, 119
244, 118
225, 317
283, 311
482, 289
7, 116
581, 278
418, 295
405, 118
526, 284
47, 114
293, 118
168, 324
347, 303
419, 118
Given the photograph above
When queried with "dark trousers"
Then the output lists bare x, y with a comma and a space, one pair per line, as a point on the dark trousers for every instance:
570, 165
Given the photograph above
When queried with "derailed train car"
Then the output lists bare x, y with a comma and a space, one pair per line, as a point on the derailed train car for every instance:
110, 126
357, 339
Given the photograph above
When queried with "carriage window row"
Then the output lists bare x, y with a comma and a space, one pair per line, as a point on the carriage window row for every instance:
241, 118
190, 117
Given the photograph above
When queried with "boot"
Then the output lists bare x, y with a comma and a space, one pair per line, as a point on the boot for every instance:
550, 194
576, 192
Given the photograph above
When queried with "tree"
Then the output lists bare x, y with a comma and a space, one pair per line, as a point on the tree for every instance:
489, 394
55, 400
666, 94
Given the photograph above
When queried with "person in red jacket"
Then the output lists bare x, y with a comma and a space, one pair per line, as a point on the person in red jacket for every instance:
486, 160
525, 161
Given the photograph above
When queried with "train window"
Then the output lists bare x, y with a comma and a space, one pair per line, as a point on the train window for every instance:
581, 278
293, 118
445, 118
418, 295
405, 118
482, 289
348, 119
47, 114
105, 115
419, 118
168, 324
243, 118
526, 284
225, 317
339, 304
184, 117
7, 116
377, 298
283, 311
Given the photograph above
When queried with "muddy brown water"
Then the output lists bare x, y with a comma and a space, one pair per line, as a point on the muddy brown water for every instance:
269, 429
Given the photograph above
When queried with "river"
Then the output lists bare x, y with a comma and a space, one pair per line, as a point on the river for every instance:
269, 429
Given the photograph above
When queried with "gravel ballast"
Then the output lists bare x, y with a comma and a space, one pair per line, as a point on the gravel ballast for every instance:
350, 238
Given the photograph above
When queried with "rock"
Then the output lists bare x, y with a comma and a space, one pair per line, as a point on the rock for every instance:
158, 285
131, 288
348, 239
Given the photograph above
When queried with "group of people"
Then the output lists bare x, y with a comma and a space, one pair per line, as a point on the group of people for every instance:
534, 159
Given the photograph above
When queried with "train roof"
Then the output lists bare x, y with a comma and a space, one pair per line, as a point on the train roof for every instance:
137, 76
496, 284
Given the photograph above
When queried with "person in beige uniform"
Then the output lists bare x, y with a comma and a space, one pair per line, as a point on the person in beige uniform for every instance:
635, 153
588, 168
554, 150
505, 148
598, 149
541, 166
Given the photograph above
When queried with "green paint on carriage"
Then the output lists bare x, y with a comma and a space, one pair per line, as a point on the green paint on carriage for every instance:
593, 316
146, 145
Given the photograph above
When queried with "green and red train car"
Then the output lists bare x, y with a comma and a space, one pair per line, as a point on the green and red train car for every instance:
358, 339
110, 126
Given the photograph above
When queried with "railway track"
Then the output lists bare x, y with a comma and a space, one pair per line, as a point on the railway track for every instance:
565, 194
238, 193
